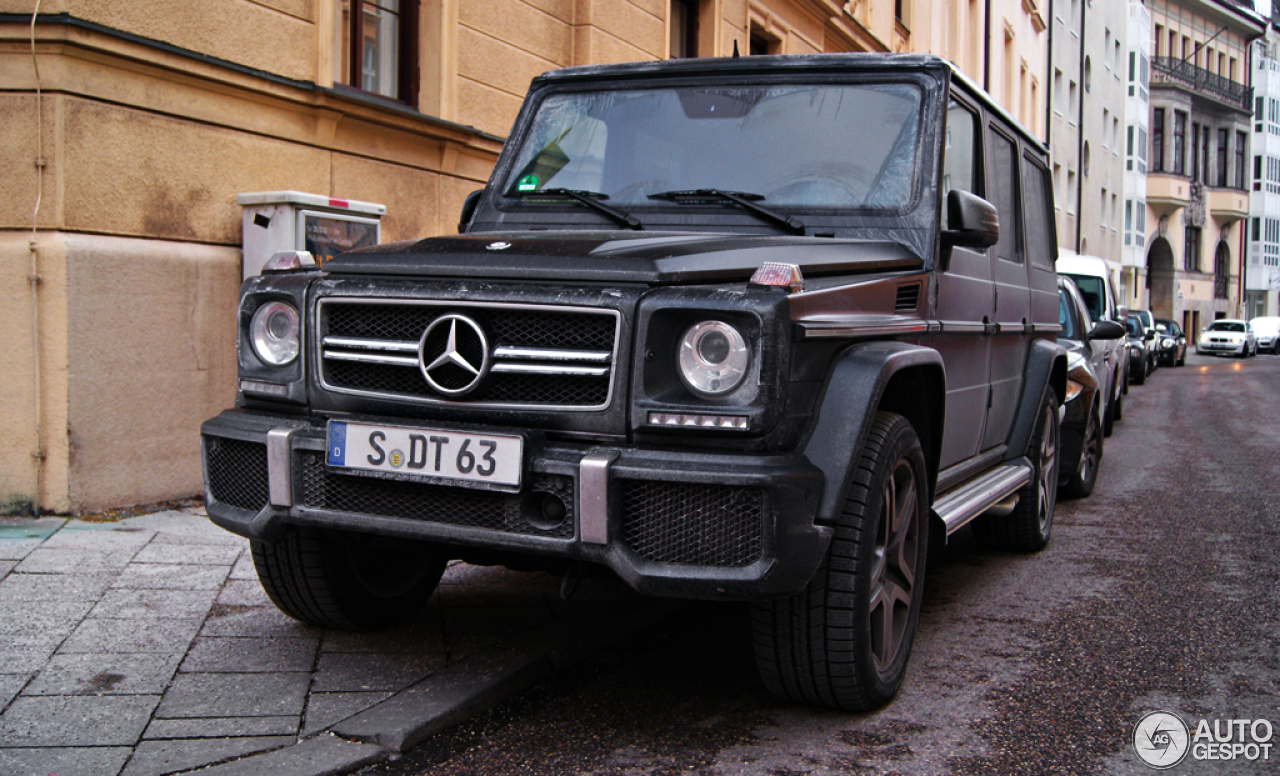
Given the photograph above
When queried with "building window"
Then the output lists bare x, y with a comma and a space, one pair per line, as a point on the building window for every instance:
1221, 271
1157, 140
1222, 156
1195, 157
1257, 174
1191, 250
684, 29
1204, 153
1240, 183
1179, 142
377, 47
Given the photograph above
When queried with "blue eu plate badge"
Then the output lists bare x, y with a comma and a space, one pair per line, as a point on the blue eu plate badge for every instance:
337, 443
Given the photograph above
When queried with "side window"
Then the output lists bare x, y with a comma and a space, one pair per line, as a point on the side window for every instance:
959, 162
1039, 213
1002, 183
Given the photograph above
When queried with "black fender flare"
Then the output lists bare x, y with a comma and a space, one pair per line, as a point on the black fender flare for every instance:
856, 386
1046, 371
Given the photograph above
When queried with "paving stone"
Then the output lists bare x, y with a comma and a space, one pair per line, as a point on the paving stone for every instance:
26, 528
47, 587
197, 554
254, 621
41, 617
98, 537
244, 568
133, 635
251, 655
109, 720
222, 727
24, 658
10, 686
187, 526
64, 761
5, 567
155, 758
105, 674
412, 638
52, 560
240, 592
320, 756
329, 708
235, 695
17, 549
181, 604
166, 576
365, 672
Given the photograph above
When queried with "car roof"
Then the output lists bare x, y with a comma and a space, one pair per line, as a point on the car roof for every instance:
1082, 265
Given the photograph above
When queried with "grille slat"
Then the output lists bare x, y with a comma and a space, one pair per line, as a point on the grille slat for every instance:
529, 347
419, 502
692, 524
236, 472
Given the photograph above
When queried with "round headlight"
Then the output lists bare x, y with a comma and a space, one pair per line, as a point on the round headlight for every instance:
713, 358
1168, 343
274, 333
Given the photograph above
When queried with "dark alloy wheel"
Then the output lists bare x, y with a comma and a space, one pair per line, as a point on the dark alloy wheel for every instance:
843, 642
345, 580
1029, 526
1080, 483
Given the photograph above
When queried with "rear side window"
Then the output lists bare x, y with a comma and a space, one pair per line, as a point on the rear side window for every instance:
1002, 180
1091, 290
1039, 215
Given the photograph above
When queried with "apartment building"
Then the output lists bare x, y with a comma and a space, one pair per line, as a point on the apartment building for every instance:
1137, 115
129, 130
1262, 271
1198, 165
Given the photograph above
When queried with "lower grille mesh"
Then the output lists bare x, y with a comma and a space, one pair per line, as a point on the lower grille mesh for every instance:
236, 472
692, 525
507, 512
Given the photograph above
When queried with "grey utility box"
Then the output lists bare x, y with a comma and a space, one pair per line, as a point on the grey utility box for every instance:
296, 221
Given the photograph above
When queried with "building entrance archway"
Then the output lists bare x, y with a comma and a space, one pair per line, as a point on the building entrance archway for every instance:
1160, 277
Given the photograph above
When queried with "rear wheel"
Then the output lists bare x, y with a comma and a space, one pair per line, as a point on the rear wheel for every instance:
844, 641
1028, 527
351, 581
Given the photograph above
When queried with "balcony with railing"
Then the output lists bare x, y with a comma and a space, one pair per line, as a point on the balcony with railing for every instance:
1175, 72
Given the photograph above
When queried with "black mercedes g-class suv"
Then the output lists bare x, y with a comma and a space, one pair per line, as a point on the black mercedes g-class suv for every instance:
755, 328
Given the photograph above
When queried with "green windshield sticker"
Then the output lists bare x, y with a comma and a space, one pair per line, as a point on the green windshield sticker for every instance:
528, 183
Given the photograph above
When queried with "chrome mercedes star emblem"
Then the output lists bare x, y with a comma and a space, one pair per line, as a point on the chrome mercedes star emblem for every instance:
454, 354
498, 246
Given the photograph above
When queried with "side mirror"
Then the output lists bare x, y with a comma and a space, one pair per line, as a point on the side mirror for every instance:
1150, 335
1106, 330
972, 222
469, 209
1122, 313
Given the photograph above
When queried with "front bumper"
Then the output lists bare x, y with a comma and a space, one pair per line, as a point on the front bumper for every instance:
1220, 348
669, 523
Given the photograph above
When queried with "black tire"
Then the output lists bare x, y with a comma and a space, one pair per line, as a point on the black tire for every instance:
1141, 377
1182, 361
843, 642
1029, 526
1119, 403
350, 581
1109, 419
1080, 483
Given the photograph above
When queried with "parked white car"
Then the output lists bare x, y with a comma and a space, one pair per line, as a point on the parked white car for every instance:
1267, 329
1228, 337
1092, 277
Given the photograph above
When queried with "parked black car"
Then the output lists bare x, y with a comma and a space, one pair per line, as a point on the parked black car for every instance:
1141, 344
1082, 435
1170, 343
706, 328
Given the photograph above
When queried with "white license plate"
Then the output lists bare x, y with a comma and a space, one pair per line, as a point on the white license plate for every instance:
489, 458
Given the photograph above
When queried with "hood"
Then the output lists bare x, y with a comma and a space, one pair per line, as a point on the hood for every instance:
610, 256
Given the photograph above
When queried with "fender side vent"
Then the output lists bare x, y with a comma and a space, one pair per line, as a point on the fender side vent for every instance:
908, 298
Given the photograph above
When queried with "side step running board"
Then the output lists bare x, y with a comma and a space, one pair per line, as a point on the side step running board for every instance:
965, 502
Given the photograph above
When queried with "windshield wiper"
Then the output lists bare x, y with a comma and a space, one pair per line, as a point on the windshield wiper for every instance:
742, 199
592, 200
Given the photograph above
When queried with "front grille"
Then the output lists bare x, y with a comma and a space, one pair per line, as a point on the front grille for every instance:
506, 512
541, 357
692, 525
236, 472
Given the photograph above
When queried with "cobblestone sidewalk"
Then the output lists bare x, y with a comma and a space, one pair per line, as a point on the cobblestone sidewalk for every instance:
146, 647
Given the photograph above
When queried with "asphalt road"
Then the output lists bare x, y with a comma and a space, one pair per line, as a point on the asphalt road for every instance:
1159, 592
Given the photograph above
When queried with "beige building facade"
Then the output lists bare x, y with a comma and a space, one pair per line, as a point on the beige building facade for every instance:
128, 130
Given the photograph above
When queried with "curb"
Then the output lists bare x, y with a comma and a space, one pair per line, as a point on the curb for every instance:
450, 696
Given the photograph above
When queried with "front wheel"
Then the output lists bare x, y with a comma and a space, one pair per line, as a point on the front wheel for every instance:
843, 642
1080, 483
345, 580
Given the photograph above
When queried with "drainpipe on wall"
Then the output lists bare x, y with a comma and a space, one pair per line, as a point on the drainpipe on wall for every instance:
38, 454
1080, 139
1048, 80
986, 48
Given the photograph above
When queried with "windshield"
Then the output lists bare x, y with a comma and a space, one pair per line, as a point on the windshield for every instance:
823, 146
1131, 327
1236, 327
1091, 289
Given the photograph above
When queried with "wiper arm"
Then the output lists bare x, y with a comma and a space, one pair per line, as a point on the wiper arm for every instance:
592, 200
742, 199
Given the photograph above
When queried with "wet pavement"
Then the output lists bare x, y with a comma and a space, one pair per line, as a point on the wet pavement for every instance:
145, 646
